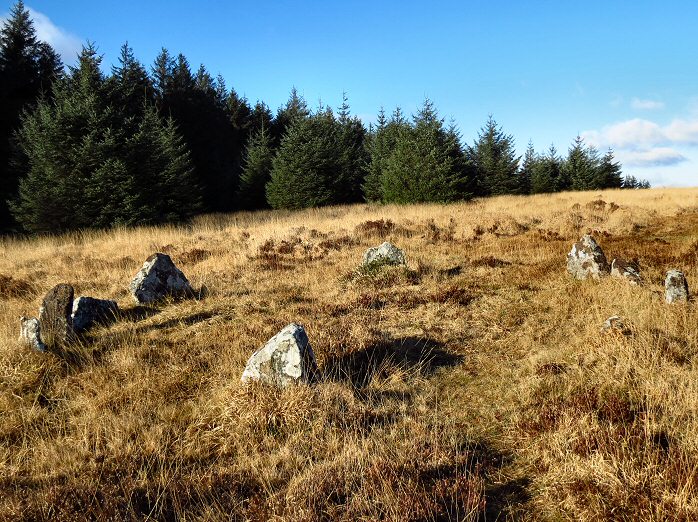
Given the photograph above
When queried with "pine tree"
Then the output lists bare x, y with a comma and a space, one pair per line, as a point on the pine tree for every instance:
261, 117
304, 171
28, 68
353, 156
526, 170
193, 102
380, 146
93, 165
609, 172
65, 143
295, 108
161, 72
546, 173
495, 161
378, 149
423, 165
582, 166
239, 113
130, 87
257, 171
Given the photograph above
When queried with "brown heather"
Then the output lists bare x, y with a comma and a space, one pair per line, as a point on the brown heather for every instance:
473, 385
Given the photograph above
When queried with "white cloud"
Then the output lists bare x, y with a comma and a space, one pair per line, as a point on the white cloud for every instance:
655, 157
642, 134
646, 105
645, 144
683, 131
66, 44
635, 133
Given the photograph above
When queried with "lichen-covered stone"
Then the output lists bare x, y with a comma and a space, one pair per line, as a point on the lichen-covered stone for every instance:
87, 311
157, 279
55, 315
286, 359
586, 259
615, 324
627, 270
675, 287
384, 254
30, 333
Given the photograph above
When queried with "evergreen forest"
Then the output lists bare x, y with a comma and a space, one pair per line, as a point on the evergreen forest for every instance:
142, 145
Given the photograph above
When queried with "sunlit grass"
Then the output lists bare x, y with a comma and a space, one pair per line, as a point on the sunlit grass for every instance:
473, 384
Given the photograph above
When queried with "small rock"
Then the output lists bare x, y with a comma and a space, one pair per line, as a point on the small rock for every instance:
157, 279
676, 286
385, 254
622, 268
287, 358
55, 315
615, 324
30, 333
586, 259
88, 311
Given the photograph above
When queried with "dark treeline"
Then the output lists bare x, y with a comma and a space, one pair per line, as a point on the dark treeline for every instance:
139, 145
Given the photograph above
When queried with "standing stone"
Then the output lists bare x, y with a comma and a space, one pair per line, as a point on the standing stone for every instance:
385, 254
676, 286
30, 333
88, 311
158, 279
624, 269
287, 358
586, 259
55, 315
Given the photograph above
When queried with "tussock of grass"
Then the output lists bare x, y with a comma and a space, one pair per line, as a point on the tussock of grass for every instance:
473, 384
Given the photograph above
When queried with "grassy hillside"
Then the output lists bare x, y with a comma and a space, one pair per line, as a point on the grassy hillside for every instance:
473, 385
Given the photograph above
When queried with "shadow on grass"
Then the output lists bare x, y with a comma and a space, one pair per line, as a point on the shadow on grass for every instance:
187, 320
419, 354
137, 313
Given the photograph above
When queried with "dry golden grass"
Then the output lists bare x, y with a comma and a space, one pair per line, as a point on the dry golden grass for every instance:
474, 385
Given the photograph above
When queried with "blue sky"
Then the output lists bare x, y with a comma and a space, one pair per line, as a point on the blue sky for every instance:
621, 74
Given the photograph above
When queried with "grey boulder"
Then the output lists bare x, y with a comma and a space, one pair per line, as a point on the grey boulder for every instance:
157, 279
286, 359
87, 311
586, 259
675, 287
627, 270
55, 315
384, 254
30, 333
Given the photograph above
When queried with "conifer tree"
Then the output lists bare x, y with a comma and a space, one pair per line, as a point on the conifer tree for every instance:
261, 117
495, 161
295, 108
161, 72
526, 170
239, 113
423, 164
131, 89
305, 168
353, 156
546, 172
193, 102
609, 172
378, 150
582, 166
90, 165
28, 67
381, 145
256, 172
